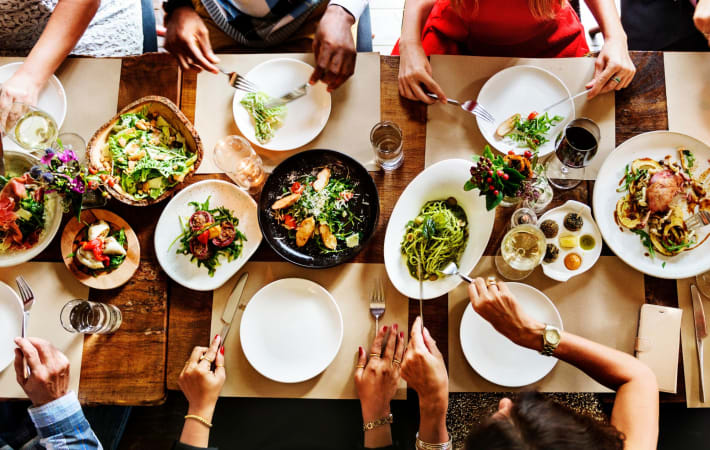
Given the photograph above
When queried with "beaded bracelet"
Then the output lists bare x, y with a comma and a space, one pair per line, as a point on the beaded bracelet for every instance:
421, 445
202, 420
378, 422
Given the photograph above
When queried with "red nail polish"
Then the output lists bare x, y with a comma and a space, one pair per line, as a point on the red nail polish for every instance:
395, 326
384, 328
401, 335
216, 336
221, 350
360, 350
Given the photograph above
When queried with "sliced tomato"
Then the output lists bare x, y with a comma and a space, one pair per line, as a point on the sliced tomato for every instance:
297, 187
199, 250
532, 115
199, 219
226, 235
347, 195
289, 222
204, 237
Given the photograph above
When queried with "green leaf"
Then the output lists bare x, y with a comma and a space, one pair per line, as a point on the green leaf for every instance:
487, 152
469, 186
493, 200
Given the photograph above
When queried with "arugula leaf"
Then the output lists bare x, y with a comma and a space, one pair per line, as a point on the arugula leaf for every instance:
646, 242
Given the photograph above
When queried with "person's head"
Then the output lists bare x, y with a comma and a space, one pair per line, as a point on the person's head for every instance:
533, 422
541, 9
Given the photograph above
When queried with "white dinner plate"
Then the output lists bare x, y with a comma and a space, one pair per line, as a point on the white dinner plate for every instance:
495, 357
178, 266
52, 99
627, 245
10, 324
438, 182
291, 330
522, 90
305, 117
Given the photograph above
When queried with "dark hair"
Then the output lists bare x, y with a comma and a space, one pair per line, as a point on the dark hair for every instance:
538, 423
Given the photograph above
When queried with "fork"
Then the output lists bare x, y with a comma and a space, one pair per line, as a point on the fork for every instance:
239, 82
377, 303
698, 220
288, 97
28, 299
471, 106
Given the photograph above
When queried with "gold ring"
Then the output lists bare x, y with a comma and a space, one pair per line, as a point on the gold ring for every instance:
396, 361
360, 366
617, 79
374, 355
205, 358
219, 365
491, 281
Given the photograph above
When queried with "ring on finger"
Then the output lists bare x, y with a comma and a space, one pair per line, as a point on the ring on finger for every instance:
396, 362
205, 358
616, 79
375, 355
360, 366
491, 281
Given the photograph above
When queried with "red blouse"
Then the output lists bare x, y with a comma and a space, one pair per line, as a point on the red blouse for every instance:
502, 28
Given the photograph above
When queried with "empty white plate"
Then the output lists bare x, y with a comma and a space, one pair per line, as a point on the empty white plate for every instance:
495, 357
10, 324
291, 330
522, 90
52, 99
305, 117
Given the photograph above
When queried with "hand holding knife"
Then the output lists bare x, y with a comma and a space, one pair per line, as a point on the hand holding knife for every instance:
230, 309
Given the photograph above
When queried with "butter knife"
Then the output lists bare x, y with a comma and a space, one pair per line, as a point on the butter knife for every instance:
230, 309
701, 333
421, 292
547, 108
288, 97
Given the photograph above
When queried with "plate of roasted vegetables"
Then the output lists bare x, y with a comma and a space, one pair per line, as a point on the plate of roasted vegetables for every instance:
100, 249
318, 208
147, 150
514, 96
645, 192
284, 127
206, 233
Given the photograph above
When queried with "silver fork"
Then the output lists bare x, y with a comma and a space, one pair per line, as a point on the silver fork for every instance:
377, 303
698, 220
471, 106
28, 299
239, 82
289, 97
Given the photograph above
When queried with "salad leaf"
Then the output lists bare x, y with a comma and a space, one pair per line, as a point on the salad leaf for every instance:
266, 120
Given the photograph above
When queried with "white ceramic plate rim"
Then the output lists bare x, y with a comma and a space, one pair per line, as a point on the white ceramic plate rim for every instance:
249, 132
7, 305
491, 377
56, 84
223, 274
684, 265
487, 129
408, 206
258, 297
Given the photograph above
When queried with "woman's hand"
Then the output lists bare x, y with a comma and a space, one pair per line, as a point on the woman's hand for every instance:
496, 304
21, 87
187, 38
613, 69
415, 71
199, 383
702, 18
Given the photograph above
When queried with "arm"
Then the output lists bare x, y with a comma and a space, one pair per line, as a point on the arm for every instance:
56, 414
614, 69
701, 17
635, 410
414, 67
66, 25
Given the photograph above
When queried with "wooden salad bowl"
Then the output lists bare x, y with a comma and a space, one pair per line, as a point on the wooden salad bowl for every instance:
170, 112
109, 280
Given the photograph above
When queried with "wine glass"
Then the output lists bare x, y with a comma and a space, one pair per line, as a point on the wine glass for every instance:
522, 249
28, 126
235, 156
576, 147
703, 283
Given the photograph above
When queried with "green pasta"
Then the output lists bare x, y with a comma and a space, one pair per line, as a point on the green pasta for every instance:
435, 238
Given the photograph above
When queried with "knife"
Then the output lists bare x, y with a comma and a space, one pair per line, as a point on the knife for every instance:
701, 333
288, 97
2, 157
230, 309
421, 292
564, 100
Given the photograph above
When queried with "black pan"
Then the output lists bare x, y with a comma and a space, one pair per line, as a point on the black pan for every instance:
365, 205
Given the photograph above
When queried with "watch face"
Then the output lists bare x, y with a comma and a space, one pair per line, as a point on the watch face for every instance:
552, 336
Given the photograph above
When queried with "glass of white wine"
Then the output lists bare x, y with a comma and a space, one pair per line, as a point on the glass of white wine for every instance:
29, 127
236, 158
522, 250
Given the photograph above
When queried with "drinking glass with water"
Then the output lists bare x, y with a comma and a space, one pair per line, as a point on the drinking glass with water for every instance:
237, 158
386, 140
83, 316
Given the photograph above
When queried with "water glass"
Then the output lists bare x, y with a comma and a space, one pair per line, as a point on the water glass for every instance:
235, 156
386, 140
703, 283
576, 147
83, 316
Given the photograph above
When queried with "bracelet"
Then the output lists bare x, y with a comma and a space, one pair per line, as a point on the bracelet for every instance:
378, 422
202, 420
421, 445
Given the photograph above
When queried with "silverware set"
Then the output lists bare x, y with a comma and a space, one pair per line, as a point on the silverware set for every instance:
28, 299
377, 303
471, 106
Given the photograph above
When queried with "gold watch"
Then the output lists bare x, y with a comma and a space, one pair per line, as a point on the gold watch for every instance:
550, 340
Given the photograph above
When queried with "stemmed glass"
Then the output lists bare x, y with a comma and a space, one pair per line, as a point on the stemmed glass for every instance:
576, 147
522, 249
236, 157
28, 126
703, 283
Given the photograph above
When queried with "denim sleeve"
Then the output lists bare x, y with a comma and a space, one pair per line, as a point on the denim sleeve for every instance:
61, 425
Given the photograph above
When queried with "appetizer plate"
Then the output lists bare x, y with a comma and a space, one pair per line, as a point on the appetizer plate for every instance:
19, 162
110, 280
364, 204
305, 117
11, 312
522, 90
495, 357
627, 245
438, 182
178, 266
291, 330
557, 270
52, 99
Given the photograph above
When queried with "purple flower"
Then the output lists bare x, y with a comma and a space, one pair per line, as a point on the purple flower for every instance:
77, 185
48, 177
67, 155
47, 158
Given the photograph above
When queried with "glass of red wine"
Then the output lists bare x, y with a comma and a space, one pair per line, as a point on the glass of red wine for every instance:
576, 147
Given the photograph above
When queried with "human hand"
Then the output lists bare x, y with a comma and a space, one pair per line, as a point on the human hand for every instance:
613, 69
49, 370
496, 304
199, 383
415, 71
187, 38
334, 48
701, 17
376, 380
21, 87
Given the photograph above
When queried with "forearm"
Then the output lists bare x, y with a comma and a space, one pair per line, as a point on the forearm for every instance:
432, 421
604, 11
61, 425
64, 29
194, 432
415, 15
380, 436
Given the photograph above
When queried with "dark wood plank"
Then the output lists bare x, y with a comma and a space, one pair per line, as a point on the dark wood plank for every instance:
149, 74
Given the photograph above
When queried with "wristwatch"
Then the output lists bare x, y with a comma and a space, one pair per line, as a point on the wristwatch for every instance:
550, 340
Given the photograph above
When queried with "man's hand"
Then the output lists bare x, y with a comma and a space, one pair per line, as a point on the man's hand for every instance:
49, 378
334, 48
187, 38
702, 18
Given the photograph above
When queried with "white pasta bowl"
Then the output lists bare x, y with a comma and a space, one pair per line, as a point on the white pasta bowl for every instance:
438, 182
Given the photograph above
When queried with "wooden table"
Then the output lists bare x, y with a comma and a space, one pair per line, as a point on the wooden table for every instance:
164, 321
